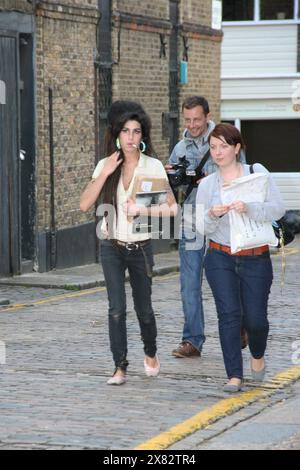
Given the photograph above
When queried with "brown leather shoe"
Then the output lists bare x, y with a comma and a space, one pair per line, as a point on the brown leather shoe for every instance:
244, 338
186, 350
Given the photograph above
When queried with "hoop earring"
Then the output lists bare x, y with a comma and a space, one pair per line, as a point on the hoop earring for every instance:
118, 145
143, 148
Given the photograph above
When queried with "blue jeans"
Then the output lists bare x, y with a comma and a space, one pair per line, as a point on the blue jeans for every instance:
191, 272
115, 260
240, 286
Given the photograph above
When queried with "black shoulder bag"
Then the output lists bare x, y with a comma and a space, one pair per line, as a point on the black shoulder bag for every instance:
198, 174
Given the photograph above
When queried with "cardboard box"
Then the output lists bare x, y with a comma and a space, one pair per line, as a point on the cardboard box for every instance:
149, 191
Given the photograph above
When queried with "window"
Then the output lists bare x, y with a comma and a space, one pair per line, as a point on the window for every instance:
264, 147
276, 10
238, 10
260, 10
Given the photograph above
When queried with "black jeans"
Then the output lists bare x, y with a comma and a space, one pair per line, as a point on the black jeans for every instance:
115, 259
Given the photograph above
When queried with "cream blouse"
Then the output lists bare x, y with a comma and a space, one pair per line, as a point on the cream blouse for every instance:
123, 228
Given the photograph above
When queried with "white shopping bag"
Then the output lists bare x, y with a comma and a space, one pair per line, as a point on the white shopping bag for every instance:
245, 232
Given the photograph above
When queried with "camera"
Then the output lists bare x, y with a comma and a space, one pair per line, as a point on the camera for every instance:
179, 175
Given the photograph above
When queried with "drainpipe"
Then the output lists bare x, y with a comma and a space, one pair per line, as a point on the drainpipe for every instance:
52, 188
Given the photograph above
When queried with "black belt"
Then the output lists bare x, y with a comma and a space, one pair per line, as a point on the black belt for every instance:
134, 246
130, 246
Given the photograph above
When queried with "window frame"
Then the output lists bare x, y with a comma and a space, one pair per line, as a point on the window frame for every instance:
257, 21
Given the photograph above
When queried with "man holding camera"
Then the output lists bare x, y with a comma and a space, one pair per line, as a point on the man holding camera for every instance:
189, 162
195, 148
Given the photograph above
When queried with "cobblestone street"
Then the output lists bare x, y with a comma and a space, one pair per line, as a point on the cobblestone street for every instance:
53, 385
127, 120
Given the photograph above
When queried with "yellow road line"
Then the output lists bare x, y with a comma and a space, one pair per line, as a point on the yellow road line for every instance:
52, 299
34, 303
220, 410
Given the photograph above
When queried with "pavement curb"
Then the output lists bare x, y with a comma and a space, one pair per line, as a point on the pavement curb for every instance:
82, 285
64, 280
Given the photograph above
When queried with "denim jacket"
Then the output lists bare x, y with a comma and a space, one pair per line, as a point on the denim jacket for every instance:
188, 147
194, 154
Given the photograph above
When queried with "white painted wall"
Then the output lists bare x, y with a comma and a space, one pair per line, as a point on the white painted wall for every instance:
289, 186
259, 50
259, 62
258, 88
258, 79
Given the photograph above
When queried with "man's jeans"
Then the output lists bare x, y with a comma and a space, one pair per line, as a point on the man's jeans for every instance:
191, 271
115, 260
240, 286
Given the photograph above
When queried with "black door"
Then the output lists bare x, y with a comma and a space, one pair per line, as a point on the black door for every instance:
27, 163
9, 156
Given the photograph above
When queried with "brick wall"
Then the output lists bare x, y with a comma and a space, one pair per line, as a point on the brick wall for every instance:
66, 38
65, 43
25, 6
157, 9
76, 3
143, 76
193, 11
204, 54
16, 5
203, 73
140, 73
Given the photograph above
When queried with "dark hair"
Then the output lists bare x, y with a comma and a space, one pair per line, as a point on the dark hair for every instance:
117, 109
230, 134
193, 101
119, 113
120, 107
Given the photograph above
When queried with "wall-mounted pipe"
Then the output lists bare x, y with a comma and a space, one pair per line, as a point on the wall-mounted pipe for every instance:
52, 185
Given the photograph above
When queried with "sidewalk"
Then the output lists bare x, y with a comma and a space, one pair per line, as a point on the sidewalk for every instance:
85, 277
91, 275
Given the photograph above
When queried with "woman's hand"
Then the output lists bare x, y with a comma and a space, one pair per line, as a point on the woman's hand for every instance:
219, 211
130, 208
238, 206
111, 163
94, 188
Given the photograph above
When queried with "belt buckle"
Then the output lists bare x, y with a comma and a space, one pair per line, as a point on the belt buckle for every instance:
131, 246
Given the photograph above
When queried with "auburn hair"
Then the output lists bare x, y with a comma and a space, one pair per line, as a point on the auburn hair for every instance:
229, 133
